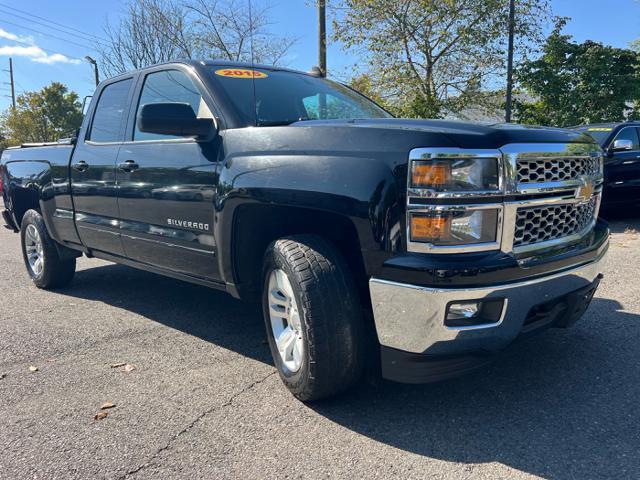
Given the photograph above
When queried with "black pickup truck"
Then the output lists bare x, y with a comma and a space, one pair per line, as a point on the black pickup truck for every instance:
419, 247
621, 144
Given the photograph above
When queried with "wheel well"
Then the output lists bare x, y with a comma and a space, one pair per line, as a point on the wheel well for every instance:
23, 199
256, 226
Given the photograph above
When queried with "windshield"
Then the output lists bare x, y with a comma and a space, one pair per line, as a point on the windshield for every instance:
283, 97
599, 134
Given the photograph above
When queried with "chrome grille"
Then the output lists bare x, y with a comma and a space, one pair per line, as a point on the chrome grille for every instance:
552, 169
544, 223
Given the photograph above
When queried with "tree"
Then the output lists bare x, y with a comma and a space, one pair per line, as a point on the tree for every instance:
155, 31
43, 116
431, 56
575, 84
364, 84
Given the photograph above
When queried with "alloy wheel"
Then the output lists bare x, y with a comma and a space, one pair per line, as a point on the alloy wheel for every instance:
285, 320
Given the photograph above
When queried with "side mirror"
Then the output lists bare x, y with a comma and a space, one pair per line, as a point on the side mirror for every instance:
177, 119
621, 145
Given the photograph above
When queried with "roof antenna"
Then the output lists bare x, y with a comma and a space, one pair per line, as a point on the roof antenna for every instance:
253, 72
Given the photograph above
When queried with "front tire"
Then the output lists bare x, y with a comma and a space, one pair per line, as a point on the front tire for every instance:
313, 317
41, 257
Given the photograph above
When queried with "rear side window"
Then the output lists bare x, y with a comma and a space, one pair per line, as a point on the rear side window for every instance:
110, 112
169, 86
629, 133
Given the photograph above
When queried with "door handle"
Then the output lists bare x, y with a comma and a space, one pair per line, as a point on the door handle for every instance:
81, 166
128, 166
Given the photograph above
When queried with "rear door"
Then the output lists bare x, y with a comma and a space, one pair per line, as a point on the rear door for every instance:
93, 169
167, 183
622, 169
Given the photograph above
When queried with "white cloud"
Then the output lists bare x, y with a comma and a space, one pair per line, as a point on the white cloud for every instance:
36, 54
15, 38
33, 52
56, 58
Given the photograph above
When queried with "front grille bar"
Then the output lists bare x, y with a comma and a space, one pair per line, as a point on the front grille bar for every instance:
545, 223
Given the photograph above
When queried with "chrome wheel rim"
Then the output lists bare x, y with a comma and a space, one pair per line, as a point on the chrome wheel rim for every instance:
33, 247
285, 321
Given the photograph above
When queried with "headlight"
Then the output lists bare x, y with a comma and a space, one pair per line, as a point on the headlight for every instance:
455, 227
456, 175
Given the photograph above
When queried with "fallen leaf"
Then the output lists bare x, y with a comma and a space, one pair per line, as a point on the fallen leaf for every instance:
118, 365
106, 405
100, 415
33, 368
129, 368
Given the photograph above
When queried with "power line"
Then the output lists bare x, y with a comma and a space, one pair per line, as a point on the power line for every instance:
54, 23
21, 17
47, 34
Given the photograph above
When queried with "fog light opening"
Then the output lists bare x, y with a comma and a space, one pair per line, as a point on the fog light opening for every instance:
475, 313
463, 310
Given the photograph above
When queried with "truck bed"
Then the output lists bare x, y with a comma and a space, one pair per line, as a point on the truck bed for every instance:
30, 176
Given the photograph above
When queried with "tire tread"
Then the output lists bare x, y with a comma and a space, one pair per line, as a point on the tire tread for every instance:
57, 272
332, 314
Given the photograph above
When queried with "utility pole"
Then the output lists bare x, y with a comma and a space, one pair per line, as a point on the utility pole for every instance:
512, 27
11, 82
322, 36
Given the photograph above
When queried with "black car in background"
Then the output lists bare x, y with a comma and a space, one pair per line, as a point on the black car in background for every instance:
621, 143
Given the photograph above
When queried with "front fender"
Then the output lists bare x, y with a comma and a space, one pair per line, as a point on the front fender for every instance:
362, 190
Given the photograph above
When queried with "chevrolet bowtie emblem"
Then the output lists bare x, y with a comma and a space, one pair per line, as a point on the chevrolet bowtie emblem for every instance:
585, 191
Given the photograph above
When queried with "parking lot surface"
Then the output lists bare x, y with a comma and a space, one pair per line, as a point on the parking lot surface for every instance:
202, 400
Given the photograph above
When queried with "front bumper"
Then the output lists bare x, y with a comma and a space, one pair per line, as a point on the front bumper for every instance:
410, 319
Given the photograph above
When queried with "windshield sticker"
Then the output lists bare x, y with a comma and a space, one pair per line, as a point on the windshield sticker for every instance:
600, 129
240, 73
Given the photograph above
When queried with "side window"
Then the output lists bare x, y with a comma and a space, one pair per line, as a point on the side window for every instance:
110, 112
629, 133
169, 86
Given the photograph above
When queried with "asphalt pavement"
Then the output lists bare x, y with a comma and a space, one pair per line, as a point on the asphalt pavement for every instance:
201, 399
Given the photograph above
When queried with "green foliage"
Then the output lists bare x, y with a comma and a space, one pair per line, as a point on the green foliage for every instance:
577, 84
43, 116
364, 84
427, 57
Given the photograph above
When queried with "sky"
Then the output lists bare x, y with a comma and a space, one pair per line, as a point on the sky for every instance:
43, 51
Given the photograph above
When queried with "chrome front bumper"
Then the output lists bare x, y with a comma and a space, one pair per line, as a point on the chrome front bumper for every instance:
412, 318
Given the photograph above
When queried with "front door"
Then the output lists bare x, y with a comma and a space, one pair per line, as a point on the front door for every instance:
167, 186
93, 170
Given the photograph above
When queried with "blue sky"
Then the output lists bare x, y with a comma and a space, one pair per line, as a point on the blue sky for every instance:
39, 58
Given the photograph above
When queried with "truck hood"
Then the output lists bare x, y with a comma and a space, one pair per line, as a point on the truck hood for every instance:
463, 134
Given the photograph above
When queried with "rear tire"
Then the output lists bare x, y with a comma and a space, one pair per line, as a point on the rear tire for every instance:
41, 256
312, 312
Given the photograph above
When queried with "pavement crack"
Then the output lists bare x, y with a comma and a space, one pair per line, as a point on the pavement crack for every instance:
192, 424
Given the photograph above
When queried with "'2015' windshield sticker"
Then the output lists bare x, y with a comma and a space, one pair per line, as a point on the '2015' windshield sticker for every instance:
240, 73
600, 129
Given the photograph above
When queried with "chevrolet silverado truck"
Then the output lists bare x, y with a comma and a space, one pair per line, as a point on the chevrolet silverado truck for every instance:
420, 247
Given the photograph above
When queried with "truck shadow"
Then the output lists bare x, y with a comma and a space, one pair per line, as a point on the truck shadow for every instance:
211, 315
561, 405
